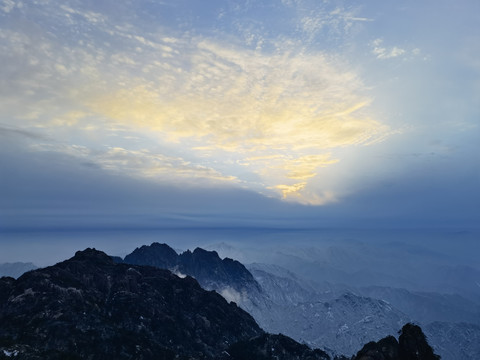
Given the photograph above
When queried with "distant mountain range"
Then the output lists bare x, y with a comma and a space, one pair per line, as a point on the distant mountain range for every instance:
90, 307
15, 269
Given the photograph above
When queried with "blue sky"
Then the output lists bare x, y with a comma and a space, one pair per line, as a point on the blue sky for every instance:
286, 113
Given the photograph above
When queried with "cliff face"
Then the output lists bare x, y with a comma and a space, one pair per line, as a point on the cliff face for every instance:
90, 307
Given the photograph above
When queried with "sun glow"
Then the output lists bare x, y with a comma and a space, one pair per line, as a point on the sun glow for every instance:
263, 120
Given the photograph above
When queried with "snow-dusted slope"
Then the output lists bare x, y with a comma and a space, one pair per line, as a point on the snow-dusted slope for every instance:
454, 341
338, 323
340, 318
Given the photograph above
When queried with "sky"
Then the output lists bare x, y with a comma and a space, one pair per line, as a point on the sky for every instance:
269, 114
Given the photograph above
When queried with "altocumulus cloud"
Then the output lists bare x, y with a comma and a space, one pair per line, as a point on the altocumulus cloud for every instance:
182, 107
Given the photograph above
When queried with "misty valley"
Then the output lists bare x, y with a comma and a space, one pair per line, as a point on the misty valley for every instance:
342, 299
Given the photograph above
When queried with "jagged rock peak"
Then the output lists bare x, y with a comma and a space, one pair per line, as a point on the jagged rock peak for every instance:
158, 247
211, 254
205, 266
156, 254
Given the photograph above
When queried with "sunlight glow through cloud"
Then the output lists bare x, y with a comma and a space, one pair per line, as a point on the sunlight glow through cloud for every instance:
180, 107
279, 115
253, 108
231, 102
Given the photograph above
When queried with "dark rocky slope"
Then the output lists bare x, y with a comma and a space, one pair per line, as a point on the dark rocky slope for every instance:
91, 308
278, 347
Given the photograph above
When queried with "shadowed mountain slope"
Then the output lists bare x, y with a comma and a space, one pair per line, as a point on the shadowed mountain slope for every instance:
90, 307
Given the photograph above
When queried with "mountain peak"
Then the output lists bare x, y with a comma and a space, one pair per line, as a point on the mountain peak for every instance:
156, 254
91, 254
157, 245
212, 255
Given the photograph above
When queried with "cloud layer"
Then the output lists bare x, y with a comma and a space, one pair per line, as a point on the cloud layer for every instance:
178, 108
295, 100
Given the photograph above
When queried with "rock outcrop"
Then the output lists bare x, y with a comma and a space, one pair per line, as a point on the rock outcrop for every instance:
411, 345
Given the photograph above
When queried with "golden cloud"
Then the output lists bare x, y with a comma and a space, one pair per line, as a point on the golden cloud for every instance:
265, 120
304, 167
280, 115
289, 190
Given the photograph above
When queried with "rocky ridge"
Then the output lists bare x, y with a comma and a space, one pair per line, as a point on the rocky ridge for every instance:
226, 276
90, 307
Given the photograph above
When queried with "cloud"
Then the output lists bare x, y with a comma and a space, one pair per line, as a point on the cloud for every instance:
230, 294
288, 190
178, 273
329, 20
142, 163
7, 5
388, 53
203, 108
89, 16
236, 104
9, 132
304, 167
293, 176
265, 98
